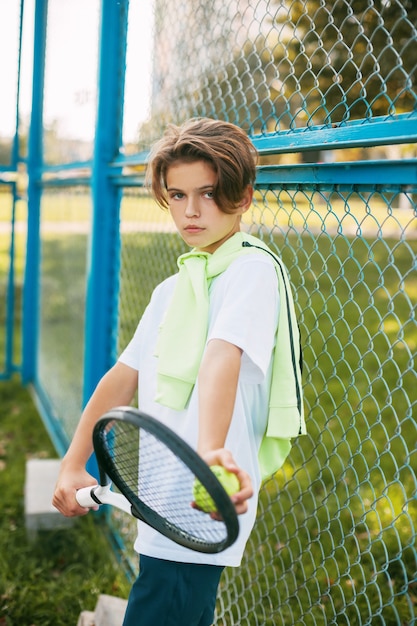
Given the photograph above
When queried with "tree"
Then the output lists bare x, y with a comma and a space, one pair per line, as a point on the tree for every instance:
341, 59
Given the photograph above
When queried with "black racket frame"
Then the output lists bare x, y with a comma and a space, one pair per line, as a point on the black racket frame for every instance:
202, 471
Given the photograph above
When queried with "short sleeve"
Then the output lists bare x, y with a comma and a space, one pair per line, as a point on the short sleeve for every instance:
131, 354
244, 307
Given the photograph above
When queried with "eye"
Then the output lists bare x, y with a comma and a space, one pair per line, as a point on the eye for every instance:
209, 195
177, 195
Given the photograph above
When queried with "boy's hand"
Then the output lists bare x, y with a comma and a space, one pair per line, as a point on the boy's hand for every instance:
64, 496
225, 458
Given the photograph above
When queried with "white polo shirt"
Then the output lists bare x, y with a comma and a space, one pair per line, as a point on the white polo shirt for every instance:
244, 308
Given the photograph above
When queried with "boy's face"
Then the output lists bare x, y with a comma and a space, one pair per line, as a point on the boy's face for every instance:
198, 219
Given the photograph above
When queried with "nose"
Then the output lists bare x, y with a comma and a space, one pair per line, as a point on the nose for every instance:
191, 208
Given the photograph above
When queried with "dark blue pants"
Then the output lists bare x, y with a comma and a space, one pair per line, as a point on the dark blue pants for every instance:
167, 593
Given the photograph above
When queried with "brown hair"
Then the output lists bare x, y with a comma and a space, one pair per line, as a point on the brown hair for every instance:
224, 146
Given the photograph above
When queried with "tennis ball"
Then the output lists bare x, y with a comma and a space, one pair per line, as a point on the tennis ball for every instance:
229, 481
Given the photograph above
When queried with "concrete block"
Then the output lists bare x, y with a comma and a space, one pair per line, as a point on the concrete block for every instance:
41, 477
87, 618
110, 611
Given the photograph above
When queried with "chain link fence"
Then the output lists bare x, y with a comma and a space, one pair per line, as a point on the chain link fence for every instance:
327, 91
335, 536
275, 65
65, 228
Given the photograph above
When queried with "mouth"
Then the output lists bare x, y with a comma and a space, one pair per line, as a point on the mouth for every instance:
193, 229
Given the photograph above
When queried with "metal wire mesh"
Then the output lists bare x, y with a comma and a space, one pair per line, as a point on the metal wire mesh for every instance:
273, 65
6, 264
65, 227
335, 536
10, 239
334, 541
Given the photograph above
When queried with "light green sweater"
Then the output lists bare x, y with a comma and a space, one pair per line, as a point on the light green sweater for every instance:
183, 334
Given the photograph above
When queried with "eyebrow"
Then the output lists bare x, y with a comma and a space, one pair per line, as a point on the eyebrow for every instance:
203, 188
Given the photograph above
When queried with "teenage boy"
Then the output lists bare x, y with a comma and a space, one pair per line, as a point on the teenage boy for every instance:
215, 356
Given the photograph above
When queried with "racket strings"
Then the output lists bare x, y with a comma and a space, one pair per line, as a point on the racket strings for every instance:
156, 480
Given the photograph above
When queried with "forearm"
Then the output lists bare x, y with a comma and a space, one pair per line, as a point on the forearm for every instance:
217, 385
116, 388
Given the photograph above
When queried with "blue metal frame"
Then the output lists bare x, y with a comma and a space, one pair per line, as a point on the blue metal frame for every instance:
106, 177
103, 261
10, 178
347, 175
34, 167
359, 175
103, 266
362, 133
378, 131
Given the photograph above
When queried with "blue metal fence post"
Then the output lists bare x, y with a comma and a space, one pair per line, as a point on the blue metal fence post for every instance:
30, 327
10, 294
103, 266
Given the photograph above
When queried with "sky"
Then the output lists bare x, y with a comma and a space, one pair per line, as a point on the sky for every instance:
71, 65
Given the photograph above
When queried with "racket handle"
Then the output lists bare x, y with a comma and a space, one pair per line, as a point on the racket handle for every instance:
84, 497
102, 495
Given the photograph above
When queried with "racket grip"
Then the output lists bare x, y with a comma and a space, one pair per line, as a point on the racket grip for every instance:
84, 497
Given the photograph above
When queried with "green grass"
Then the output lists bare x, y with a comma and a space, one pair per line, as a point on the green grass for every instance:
49, 581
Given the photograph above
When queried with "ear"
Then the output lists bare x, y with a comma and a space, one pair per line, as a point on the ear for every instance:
246, 201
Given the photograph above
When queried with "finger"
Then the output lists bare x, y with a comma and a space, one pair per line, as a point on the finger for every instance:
246, 488
66, 503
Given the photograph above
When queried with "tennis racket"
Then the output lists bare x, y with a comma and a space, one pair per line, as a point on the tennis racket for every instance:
154, 470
